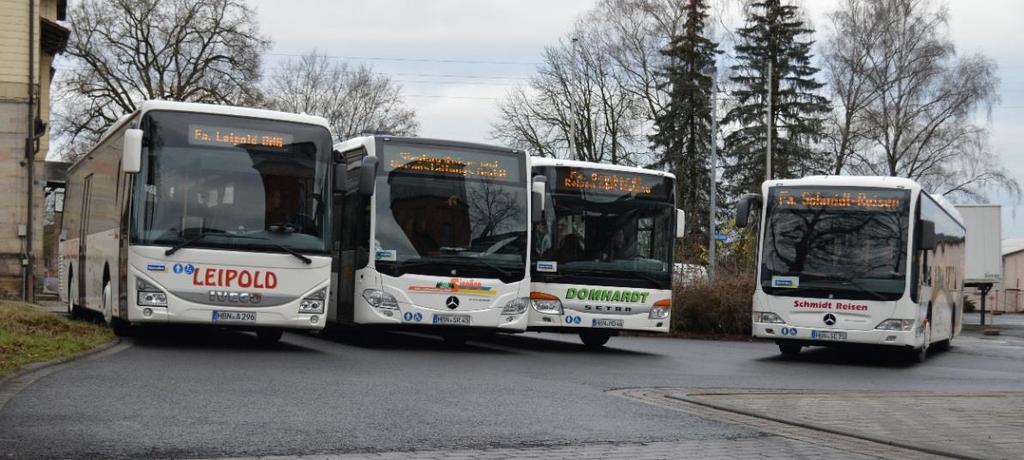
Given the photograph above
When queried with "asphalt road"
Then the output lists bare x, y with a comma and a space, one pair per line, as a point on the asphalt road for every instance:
197, 393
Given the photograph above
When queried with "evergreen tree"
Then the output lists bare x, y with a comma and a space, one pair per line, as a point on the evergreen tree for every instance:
683, 129
774, 33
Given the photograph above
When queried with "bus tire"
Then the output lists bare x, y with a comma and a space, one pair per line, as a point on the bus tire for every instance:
74, 311
594, 340
120, 327
789, 350
269, 336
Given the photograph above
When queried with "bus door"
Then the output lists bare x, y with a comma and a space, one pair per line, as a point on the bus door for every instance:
83, 231
351, 214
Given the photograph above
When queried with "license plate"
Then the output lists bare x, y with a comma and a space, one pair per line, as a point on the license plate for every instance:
454, 320
242, 316
607, 323
828, 335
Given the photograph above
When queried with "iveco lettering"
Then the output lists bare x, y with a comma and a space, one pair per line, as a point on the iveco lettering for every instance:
602, 250
432, 235
193, 213
863, 260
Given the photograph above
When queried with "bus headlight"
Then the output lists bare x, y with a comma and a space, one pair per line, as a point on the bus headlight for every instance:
516, 306
546, 303
314, 303
661, 309
894, 324
149, 295
767, 317
380, 299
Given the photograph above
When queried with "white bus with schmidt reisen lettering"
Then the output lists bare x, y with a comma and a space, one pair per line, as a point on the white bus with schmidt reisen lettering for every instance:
603, 250
432, 235
204, 214
863, 260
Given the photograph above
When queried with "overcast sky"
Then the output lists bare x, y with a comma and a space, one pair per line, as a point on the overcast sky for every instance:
456, 58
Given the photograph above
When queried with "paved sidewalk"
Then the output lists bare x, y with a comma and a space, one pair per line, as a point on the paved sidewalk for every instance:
980, 425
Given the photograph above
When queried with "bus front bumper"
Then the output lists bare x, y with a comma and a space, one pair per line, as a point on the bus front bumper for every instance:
810, 336
283, 316
576, 322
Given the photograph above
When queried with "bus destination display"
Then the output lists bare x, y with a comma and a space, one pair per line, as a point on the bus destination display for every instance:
574, 179
881, 200
467, 164
219, 136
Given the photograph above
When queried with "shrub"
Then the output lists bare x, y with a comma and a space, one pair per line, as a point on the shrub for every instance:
969, 306
721, 306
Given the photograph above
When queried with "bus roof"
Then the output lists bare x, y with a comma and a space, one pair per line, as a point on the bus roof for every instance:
867, 181
355, 142
176, 106
544, 161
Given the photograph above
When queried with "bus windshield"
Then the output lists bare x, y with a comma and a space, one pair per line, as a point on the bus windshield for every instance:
451, 212
603, 225
849, 243
226, 182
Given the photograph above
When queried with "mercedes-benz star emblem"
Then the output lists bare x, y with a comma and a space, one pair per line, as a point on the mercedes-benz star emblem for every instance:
452, 302
830, 319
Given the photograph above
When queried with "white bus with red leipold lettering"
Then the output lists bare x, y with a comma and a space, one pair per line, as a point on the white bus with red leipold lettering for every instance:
856, 260
432, 235
194, 213
603, 250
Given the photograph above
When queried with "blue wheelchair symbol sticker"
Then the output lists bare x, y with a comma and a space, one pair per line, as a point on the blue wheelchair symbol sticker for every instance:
190, 268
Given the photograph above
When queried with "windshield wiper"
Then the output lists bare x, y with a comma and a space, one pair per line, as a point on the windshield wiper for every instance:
188, 242
199, 237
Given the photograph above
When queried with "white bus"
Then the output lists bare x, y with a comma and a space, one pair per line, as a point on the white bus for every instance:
603, 250
432, 235
863, 260
194, 213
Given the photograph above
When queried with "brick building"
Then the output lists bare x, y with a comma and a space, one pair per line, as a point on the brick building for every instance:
30, 37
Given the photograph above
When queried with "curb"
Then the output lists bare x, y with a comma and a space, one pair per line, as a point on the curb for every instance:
864, 437
21, 378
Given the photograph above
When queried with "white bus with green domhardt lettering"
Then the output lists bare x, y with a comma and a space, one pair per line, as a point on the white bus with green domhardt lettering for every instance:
602, 250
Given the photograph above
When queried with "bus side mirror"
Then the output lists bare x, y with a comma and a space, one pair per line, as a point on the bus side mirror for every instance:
926, 235
131, 155
537, 197
743, 208
680, 223
340, 174
367, 176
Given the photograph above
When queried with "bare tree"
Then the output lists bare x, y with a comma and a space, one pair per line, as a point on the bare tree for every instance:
846, 60
595, 99
126, 51
353, 100
911, 104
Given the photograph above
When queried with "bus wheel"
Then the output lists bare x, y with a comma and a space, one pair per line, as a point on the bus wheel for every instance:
120, 327
789, 350
594, 340
73, 311
269, 336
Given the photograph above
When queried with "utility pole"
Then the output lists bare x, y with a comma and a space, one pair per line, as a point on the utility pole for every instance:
572, 114
768, 153
713, 228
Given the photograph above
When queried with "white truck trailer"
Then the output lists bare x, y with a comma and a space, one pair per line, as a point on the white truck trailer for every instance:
984, 265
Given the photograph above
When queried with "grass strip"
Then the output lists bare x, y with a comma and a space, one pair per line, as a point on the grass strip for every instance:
29, 334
